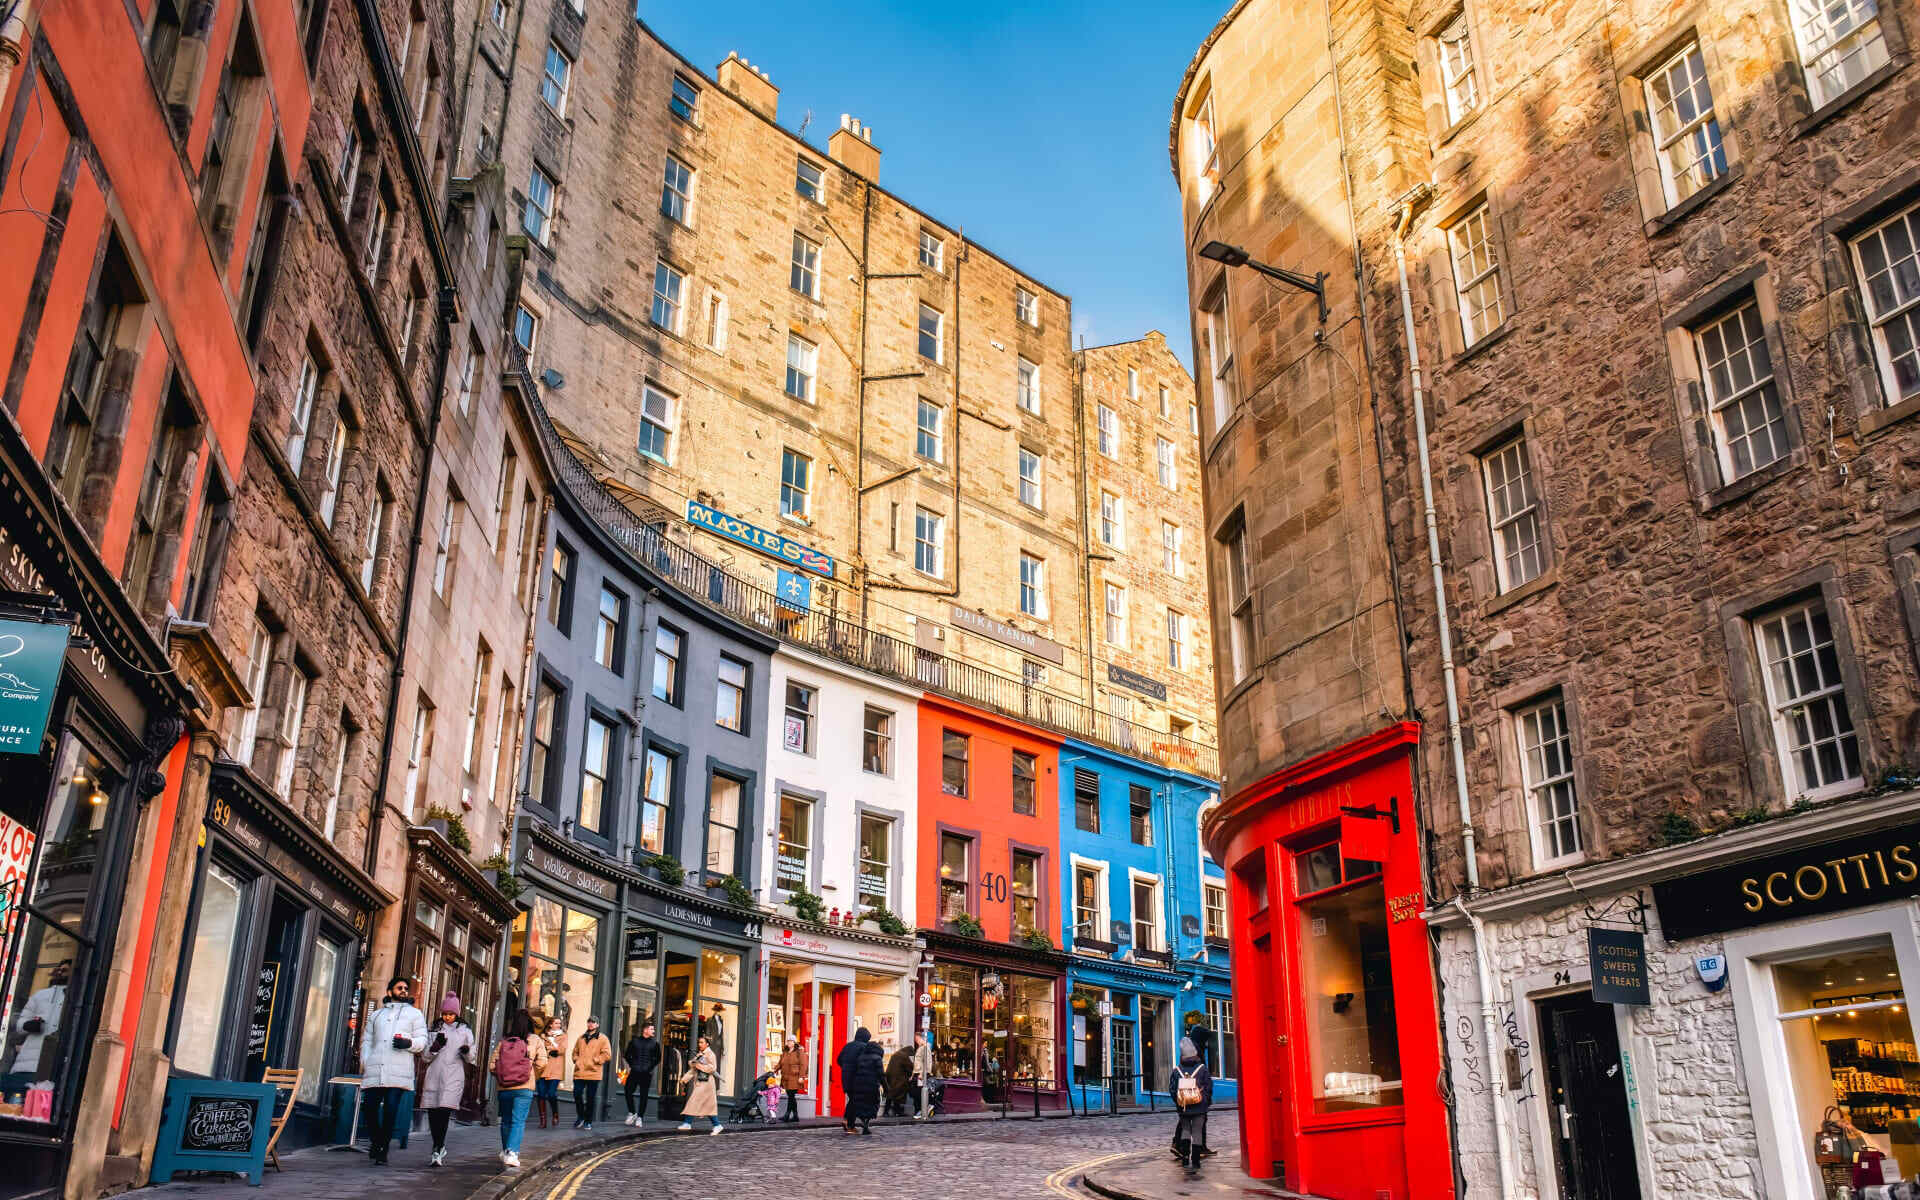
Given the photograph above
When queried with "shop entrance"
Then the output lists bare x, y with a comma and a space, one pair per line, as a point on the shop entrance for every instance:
831, 1032
1123, 1091
1587, 1100
676, 1033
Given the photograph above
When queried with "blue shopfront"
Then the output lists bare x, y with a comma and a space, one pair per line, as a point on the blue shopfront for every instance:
1145, 925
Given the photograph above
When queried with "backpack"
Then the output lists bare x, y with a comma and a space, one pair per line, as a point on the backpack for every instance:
1186, 1088
512, 1064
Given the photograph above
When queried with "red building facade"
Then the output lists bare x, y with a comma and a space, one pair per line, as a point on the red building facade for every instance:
1333, 977
989, 848
141, 147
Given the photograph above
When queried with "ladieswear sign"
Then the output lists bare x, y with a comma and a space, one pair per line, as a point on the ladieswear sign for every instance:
31, 654
1805, 881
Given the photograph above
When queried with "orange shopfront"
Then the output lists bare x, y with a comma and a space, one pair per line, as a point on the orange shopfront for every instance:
1333, 977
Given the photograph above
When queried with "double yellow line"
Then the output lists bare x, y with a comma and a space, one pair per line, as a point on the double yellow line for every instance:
569, 1185
1057, 1182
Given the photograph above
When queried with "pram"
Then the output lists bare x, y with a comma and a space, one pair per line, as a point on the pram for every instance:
760, 1103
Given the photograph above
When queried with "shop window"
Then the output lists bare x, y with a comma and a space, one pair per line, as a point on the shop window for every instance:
556, 950
656, 800
1223, 1051
793, 866
1086, 801
1030, 1005
1140, 814
876, 862
876, 742
1025, 891
723, 824
720, 986
956, 874
317, 1021
956, 1009
1850, 1043
797, 732
1025, 772
1353, 1051
216, 933
953, 762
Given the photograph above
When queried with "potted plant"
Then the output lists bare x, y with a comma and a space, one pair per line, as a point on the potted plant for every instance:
451, 826
967, 925
738, 893
500, 873
667, 869
887, 921
1035, 939
808, 906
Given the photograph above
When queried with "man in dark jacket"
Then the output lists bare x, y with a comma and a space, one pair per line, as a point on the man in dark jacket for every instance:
899, 1082
642, 1055
1190, 1134
862, 1065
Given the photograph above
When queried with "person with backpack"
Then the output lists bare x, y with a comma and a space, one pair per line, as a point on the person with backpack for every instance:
1192, 1088
395, 1033
591, 1054
448, 1055
642, 1056
515, 1060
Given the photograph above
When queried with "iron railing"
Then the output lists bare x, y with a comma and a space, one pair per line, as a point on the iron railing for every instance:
850, 641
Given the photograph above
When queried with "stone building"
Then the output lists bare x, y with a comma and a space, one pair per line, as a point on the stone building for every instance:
1147, 618
141, 176
781, 363
1659, 269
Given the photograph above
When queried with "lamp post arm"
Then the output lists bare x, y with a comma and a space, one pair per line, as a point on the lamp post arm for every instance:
1317, 284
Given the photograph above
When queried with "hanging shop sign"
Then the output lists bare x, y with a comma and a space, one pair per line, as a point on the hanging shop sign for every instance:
794, 590
31, 655
643, 945
765, 541
1805, 881
1008, 635
1135, 681
214, 1125
1617, 959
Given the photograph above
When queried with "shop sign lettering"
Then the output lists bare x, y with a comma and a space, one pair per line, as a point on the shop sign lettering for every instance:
1137, 682
1618, 960
565, 872
1403, 908
764, 540
220, 812
221, 1124
32, 654
1806, 881
1009, 635
265, 989
18, 573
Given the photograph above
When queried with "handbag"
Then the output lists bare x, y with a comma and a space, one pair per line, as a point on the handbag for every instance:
1836, 1141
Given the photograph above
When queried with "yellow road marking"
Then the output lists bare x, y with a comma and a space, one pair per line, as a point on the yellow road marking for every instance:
569, 1185
1057, 1182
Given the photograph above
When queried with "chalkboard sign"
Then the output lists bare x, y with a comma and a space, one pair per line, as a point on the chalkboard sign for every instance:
214, 1125
218, 1124
265, 987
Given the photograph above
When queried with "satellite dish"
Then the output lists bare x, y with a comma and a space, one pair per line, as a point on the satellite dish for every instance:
553, 379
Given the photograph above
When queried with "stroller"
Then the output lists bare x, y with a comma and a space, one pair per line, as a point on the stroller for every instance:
759, 1103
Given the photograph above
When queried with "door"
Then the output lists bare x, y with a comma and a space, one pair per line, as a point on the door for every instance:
676, 1034
1156, 1054
1124, 1092
1587, 1100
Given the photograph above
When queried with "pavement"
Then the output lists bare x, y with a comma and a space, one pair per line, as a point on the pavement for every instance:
1122, 1158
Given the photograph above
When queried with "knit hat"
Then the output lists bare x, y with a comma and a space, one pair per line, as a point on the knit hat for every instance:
451, 1004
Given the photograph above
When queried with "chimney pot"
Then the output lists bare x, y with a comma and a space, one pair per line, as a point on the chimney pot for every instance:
852, 147
753, 87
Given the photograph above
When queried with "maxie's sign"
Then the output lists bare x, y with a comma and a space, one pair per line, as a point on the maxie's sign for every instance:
765, 541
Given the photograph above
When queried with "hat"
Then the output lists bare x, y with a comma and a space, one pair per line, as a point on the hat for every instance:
451, 1004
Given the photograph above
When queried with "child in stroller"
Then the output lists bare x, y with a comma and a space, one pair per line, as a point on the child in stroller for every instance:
759, 1103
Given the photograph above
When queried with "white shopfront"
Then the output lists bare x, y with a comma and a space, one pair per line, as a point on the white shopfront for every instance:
823, 983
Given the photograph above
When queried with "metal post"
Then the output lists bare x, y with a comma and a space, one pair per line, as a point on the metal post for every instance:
1036, 1097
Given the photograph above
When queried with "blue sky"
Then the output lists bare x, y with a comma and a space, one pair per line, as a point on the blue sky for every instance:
1041, 130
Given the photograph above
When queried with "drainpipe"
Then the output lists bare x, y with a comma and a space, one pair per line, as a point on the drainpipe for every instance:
15, 32
1489, 1014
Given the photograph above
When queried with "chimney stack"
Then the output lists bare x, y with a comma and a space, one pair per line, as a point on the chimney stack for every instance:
749, 84
852, 147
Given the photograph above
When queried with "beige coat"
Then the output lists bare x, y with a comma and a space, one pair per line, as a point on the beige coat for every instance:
591, 1056
554, 1060
703, 1099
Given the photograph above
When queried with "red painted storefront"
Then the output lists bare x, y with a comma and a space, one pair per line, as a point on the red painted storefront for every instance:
1008, 822
1333, 978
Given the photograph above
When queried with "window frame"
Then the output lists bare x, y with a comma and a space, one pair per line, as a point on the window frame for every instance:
563, 84
1135, 808
1031, 486
801, 375
609, 781
1158, 927
1026, 307
933, 539
949, 740
1757, 340
878, 736
683, 99
1532, 737
1086, 801
743, 690
933, 251
801, 165
1027, 385
1459, 82
667, 800
1024, 768
1461, 247
1100, 923
937, 335
1033, 586
801, 704
803, 275
1781, 708
610, 630
676, 195
1906, 312
796, 486
1707, 122
1106, 425
671, 301
1498, 526
1820, 95
936, 434
653, 428
538, 180
676, 681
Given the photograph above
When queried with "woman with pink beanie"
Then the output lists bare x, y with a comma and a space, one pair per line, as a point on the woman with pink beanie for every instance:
448, 1056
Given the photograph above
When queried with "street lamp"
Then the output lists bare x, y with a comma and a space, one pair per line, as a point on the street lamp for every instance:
1234, 256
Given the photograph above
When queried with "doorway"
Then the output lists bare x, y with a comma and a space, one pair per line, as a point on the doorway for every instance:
676, 1033
1124, 1092
831, 1032
1593, 1149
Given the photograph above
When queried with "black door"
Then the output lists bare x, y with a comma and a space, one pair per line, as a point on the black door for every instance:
1587, 1100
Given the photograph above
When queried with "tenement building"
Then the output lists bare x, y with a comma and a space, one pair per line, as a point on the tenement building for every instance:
1637, 316
143, 167
810, 381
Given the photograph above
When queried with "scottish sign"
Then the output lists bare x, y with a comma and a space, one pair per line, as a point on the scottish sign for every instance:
765, 541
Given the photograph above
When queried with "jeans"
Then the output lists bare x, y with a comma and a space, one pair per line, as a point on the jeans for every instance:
547, 1089
437, 1120
380, 1107
639, 1083
586, 1094
513, 1117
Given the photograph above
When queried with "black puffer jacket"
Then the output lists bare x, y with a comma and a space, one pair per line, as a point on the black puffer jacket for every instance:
862, 1067
642, 1054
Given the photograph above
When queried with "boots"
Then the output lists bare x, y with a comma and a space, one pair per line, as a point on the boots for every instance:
540, 1108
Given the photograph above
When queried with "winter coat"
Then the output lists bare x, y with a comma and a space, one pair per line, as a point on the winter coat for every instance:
381, 1064
555, 1065
1197, 1067
591, 1056
43, 1006
793, 1070
703, 1098
899, 1073
923, 1060
446, 1083
642, 1055
862, 1064
536, 1050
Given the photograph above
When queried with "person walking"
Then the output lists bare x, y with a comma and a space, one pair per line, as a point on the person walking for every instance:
899, 1081
923, 1074
591, 1054
553, 1069
793, 1077
1192, 1087
395, 1033
703, 1098
514, 1064
448, 1056
862, 1065
642, 1055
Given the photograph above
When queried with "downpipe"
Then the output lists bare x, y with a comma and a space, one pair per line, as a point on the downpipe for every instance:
1489, 1011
